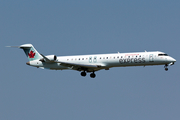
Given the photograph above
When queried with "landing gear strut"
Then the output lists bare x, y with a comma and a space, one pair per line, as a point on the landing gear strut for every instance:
83, 73
92, 75
166, 69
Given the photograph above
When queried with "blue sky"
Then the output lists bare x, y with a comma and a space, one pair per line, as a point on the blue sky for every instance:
89, 27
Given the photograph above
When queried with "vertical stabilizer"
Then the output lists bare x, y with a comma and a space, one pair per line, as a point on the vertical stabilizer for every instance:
30, 52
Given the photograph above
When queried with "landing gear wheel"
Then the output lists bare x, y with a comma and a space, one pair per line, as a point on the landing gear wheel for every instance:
165, 66
83, 74
166, 69
92, 75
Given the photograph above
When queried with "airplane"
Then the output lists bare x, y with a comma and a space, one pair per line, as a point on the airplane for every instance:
92, 63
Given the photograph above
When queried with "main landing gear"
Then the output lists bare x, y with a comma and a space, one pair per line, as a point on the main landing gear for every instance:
83, 74
166, 69
92, 75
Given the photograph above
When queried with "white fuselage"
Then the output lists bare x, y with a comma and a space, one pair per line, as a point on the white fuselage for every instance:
107, 61
92, 63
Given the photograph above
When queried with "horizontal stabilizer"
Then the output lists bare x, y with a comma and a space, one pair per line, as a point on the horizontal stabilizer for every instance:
22, 46
13, 46
41, 67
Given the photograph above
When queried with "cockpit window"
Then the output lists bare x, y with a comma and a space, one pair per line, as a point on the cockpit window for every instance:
162, 54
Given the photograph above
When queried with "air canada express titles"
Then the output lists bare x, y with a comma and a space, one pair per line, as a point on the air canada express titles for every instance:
132, 60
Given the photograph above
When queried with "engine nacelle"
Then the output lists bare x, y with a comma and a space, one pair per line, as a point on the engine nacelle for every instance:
52, 57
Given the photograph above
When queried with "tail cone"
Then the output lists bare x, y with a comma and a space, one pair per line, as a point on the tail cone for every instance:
28, 63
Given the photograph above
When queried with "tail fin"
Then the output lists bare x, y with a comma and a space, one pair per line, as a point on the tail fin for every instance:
30, 52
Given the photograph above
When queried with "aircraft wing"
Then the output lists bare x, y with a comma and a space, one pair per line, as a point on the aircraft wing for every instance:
77, 66
80, 67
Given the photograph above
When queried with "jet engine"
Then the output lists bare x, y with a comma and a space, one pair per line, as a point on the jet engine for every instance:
48, 58
52, 57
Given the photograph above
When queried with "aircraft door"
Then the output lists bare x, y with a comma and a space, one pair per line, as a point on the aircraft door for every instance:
151, 59
95, 59
90, 59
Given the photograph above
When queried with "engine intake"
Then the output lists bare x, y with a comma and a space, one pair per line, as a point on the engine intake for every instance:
52, 57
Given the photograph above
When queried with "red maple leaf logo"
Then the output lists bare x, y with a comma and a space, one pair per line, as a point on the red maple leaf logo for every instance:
31, 54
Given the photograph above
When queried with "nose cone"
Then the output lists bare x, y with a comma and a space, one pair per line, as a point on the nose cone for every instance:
172, 60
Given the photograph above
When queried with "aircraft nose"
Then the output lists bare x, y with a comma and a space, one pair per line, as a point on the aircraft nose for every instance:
173, 60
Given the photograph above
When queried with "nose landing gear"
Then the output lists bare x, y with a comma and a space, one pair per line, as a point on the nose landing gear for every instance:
166, 69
